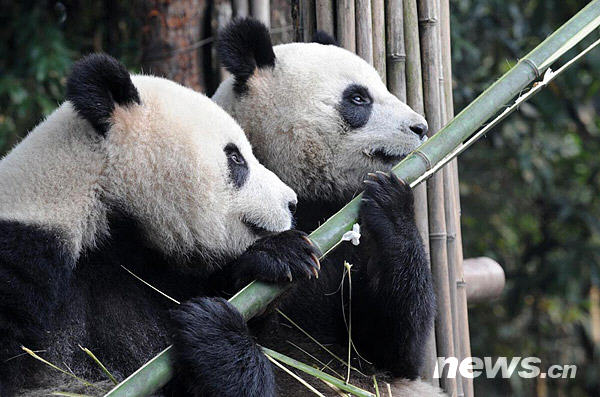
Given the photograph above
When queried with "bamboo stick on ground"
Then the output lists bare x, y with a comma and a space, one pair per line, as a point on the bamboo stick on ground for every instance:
364, 30
430, 58
325, 15
261, 10
346, 31
256, 296
379, 40
414, 99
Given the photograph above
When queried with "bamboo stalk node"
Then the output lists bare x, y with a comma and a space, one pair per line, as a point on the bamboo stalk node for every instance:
424, 157
438, 236
397, 57
451, 237
428, 21
536, 70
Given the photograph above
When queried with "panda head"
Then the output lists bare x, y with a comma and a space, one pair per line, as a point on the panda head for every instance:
316, 114
165, 156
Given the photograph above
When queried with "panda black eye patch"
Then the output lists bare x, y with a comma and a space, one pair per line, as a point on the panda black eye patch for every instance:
238, 167
356, 105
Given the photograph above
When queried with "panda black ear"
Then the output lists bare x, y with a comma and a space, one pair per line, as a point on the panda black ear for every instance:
96, 82
324, 38
243, 46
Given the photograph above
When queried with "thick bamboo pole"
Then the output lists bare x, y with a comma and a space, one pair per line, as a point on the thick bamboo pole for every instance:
461, 321
346, 30
484, 279
261, 10
414, 99
255, 297
451, 229
452, 223
308, 23
431, 65
379, 40
396, 55
325, 16
364, 30
241, 8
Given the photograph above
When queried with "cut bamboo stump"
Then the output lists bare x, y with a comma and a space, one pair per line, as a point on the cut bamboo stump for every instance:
484, 279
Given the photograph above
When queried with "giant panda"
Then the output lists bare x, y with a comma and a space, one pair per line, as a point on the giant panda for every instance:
321, 118
136, 174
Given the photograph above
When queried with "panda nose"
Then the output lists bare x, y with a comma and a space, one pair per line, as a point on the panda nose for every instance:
292, 207
420, 129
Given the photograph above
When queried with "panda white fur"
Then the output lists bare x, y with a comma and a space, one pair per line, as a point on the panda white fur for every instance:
321, 119
140, 172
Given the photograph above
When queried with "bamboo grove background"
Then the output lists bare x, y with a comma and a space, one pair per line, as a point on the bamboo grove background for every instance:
528, 192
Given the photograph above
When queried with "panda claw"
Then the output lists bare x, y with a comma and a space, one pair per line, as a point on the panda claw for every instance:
372, 175
383, 173
315, 272
316, 260
289, 275
308, 241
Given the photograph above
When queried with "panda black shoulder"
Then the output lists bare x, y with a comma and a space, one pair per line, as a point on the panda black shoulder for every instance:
96, 82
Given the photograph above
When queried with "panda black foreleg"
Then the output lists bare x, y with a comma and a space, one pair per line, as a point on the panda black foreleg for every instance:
35, 271
215, 353
393, 301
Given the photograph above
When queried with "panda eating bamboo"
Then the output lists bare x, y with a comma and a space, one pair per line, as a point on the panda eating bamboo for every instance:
134, 174
321, 119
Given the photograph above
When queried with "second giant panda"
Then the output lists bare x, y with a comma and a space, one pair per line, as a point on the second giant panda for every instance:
321, 118
134, 174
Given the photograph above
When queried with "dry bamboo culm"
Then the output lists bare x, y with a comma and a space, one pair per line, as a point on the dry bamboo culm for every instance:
414, 99
462, 341
431, 72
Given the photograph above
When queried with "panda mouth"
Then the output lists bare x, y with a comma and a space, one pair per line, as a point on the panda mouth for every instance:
383, 155
257, 229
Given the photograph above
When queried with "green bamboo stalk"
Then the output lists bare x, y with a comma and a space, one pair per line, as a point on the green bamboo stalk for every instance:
255, 297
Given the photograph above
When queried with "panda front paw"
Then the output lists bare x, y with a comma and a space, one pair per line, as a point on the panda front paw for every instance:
282, 257
387, 207
214, 352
